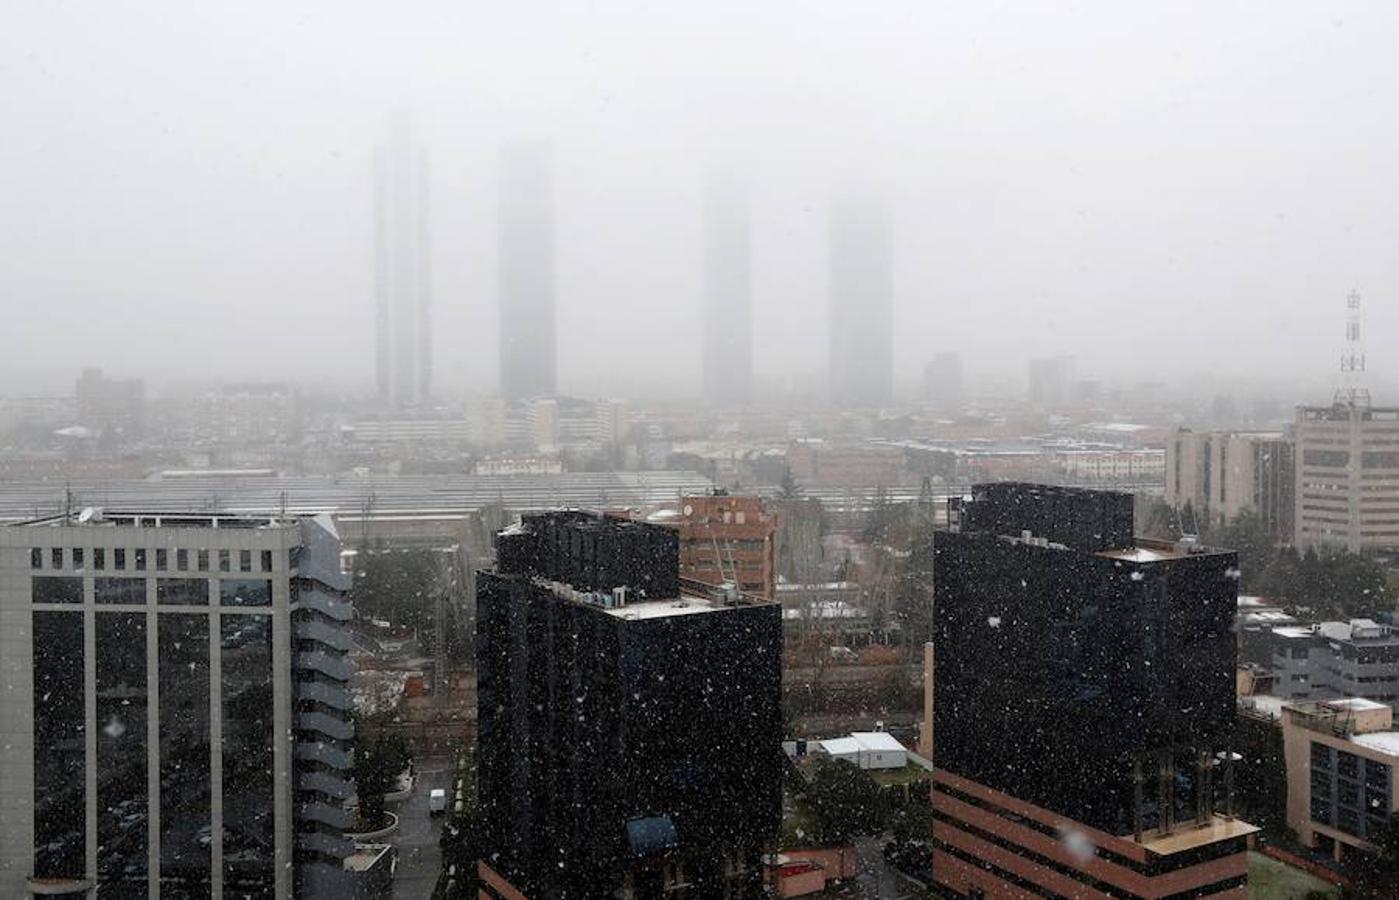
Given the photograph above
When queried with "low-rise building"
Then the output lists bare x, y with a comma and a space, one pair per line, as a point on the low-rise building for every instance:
1342, 758
1221, 474
867, 750
1329, 660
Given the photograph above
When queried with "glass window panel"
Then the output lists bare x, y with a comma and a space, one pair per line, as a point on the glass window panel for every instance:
119, 590
36, 557
224, 560
57, 589
60, 787
248, 846
57, 560
267, 560
140, 553
78, 559
182, 591
122, 809
119, 559
185, 828
245, 592
245, 560
99, 558
162, 557
182, 560
203, 557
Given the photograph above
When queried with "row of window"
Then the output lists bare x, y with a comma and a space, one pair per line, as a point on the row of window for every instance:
168, 591
139, 557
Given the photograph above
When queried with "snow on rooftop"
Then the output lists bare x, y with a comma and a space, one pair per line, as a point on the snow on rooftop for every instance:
877, 741
1384, 741
841, 746
1355, 704
659, 609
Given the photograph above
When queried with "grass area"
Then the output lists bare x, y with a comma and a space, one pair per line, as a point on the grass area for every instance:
1269, 879
798, 824
907, 775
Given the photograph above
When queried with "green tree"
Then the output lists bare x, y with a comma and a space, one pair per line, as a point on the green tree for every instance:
845, 801
378, 763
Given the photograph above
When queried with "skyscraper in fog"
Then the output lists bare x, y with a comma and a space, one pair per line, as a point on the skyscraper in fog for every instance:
728, 316
403, 270
861, 320
527, 344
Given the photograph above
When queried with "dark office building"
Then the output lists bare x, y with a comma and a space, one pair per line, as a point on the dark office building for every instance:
402, 270
1084, 684
527, 341
728, 316
629, 728
861, 297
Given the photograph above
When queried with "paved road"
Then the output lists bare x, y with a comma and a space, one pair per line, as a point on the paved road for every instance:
875, 879
419, 858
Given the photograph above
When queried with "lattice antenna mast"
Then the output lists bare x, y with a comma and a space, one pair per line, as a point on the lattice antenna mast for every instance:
1352, 391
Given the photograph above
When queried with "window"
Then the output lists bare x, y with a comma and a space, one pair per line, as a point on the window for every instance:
182, 560
245, 592
119, 590
99, 558
141, 559
182, 591
245, 560
78, 557
1347, 764
57, 589
36, 558
223, 560
267, 560
161, 559
119, 559
1321, 756
57, 560
203, 558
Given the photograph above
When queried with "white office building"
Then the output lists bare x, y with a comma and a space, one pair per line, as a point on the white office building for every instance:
174, 706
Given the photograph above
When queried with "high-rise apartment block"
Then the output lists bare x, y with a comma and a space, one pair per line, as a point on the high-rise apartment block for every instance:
629, 720
728, 313
1083, 702
528, 367
1347, 477
1052, 381
111, 404
174, 706
862, 304
1222, 473
403, 271
942, 382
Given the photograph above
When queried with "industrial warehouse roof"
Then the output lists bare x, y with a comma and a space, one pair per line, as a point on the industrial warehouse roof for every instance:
382, 495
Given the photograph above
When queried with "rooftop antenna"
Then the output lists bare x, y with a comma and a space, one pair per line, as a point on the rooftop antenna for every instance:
1352, 391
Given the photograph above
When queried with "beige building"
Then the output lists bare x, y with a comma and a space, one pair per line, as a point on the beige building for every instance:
1222, 473
1347, 477
1342, 758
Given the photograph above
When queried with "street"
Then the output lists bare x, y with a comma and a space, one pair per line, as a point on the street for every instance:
419, 858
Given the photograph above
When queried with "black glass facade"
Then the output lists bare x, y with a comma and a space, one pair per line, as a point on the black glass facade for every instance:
185, 822
182, 591
1060, 672
246, 690
60, 785
589, 720
56, 589
245, 592
123, 813
119, 590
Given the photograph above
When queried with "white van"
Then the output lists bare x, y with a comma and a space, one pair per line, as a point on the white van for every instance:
436, 801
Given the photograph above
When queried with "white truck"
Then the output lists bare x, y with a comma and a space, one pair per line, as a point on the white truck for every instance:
436, 801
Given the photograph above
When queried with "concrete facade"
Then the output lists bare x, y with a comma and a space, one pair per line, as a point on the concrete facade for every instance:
249, 649
1221, 474
1347, 478
1342, 761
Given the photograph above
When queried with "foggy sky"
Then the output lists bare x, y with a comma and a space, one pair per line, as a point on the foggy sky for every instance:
186, 189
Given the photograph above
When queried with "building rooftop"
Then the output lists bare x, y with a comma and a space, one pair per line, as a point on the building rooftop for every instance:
1189, 836
1349, 718
1386, 742
94, 517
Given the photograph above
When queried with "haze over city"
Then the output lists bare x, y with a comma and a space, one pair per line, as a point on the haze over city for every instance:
1163, 193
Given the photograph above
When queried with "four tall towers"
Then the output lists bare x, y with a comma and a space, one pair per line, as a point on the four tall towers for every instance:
860, 284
